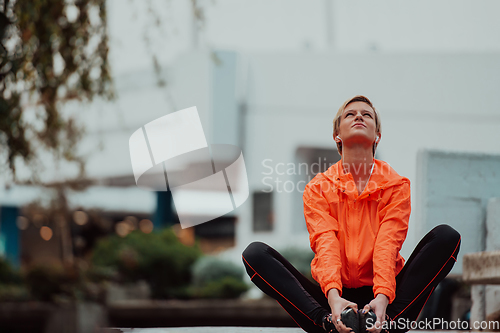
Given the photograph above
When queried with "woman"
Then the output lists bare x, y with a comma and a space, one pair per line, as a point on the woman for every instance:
357, 216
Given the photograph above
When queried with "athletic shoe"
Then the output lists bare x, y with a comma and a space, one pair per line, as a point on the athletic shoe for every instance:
367, 319
356, 321
350, 319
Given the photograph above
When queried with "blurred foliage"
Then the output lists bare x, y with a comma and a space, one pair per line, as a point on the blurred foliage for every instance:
7, 274
54, 282
226, 287
209, 268
300, 259
38, 282
14, 293
216, 278
48, 281
171, 269
158, 258
51, 51
11, 287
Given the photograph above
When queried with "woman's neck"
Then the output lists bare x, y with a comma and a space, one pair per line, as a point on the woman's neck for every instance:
357, 161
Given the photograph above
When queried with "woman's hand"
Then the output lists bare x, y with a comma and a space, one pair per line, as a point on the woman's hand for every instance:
337, 304
377, 305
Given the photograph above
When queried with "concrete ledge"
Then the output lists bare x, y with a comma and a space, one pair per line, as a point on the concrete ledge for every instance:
232, 329
206, 329
179, 313
482, 267
170, 315
27, 316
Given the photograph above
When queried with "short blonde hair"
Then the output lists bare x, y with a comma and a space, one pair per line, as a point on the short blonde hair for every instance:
336, 120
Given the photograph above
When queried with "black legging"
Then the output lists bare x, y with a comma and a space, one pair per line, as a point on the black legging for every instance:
430, 262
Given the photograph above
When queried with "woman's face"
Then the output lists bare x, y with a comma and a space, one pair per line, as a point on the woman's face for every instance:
357, 124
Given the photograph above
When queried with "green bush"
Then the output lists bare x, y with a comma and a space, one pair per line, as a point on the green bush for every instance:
48, 281
12, 292
98, 274
53, 282
7, 274
44, 282
11, 288
210, 268
159, 258
226, 287
216, 278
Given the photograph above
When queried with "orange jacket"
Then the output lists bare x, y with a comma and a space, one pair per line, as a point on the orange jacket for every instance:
356, 239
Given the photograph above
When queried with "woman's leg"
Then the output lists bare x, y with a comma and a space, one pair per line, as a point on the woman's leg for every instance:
430, 262
274, 275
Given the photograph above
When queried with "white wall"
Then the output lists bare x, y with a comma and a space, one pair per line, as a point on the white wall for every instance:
454, 188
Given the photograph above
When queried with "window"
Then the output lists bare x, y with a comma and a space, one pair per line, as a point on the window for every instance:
262, 211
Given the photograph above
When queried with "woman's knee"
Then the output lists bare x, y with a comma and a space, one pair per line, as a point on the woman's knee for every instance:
447, 236
254, 251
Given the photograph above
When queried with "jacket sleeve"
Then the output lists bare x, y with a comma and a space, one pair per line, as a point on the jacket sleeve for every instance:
323, 229
391, 235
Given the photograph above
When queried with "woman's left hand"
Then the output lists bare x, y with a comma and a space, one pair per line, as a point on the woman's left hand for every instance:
377, 305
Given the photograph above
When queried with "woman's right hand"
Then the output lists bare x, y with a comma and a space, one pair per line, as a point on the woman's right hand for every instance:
337, 305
